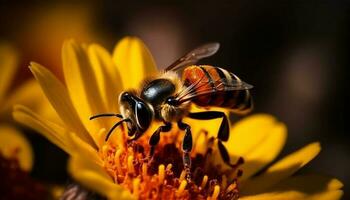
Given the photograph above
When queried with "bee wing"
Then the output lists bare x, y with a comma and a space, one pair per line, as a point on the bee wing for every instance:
194, 56
193, 91
237, 85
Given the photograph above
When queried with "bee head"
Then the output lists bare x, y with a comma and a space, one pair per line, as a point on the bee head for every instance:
137, 110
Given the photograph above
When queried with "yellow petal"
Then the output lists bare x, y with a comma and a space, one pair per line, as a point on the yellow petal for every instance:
281, 170
295, 195
8, 67
304, 187
95, 178
107, 75
331, 195
53, 132
14, 144
84, 150
59, 99
48, 112
311, 183
28, 94
248, 133
258, 139
82, 86
134, 61
31, 95
265, 152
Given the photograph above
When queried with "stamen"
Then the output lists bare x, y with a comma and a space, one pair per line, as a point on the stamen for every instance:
200, 144
117, 160
136, 186
128, 166
169, 166
130, 151
216, 192
181, 188
182, 175
131, 168
144, 170
204, 181
105, 151
101, 139
161, 173
231, 187
224, 181
120, 138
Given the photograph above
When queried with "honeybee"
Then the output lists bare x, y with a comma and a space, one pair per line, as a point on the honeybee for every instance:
167, 98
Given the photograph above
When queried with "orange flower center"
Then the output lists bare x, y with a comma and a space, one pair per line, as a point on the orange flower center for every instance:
164, 176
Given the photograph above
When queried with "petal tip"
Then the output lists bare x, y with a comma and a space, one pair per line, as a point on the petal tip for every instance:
316, 146
34, 66
335, 184
129, 38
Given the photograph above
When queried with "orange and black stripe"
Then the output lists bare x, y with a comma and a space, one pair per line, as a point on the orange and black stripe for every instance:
217, 80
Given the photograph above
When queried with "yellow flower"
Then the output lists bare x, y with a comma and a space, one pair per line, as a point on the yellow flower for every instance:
117, 169
49, 25
13, 144
16, 154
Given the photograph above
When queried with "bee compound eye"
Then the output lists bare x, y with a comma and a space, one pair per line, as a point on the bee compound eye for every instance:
143, 115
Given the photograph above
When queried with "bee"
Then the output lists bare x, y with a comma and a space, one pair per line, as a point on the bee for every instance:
167, 99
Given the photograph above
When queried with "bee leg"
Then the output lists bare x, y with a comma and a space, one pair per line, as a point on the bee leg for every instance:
186, 148
136, 135
223, 133
224, 130
154, 140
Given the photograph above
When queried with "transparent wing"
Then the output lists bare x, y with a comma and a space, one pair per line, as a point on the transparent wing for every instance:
200, 89
194, 56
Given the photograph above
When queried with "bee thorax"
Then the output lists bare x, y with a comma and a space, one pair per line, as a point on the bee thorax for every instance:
170, 113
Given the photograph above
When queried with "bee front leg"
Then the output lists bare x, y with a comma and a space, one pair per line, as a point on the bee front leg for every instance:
186, 148
154, 140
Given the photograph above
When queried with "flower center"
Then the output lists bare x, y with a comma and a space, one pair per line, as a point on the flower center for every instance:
164, 177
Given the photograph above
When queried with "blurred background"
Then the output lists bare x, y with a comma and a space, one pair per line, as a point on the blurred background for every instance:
293, 52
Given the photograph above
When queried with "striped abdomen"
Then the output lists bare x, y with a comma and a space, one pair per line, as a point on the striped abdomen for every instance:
217, 87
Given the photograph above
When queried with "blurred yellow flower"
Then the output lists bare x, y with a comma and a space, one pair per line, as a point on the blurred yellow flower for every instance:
13, 144
117, 169
16, 154
29, 93
47, 26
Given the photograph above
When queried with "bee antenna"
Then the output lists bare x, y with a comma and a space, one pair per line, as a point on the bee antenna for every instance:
115, 126
106, 115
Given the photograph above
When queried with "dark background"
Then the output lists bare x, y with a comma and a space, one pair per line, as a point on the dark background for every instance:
294, 53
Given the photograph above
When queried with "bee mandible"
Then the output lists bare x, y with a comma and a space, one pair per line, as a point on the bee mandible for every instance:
167, 99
